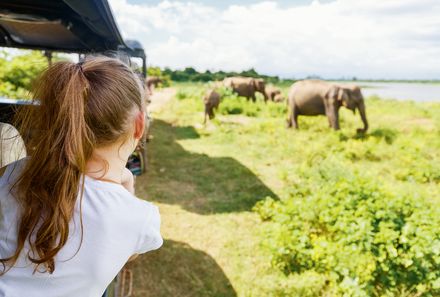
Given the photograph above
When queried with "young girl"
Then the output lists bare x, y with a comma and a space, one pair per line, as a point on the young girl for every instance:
68, 218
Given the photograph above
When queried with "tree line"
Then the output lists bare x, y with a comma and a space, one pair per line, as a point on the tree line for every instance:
189, 74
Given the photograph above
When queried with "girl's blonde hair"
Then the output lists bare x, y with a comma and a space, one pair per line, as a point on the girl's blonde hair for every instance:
81, 107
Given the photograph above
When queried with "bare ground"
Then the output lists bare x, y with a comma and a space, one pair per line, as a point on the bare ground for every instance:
159, 98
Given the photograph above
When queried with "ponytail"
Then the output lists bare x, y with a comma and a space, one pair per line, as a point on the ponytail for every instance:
48, 186
71, 100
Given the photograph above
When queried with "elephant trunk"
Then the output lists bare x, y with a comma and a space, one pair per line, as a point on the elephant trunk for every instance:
262, 89
362, 112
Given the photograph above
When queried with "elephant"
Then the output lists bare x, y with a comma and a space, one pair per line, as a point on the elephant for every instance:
274, 94
317, 97
246, 86
278, 98
152, 82
212, 101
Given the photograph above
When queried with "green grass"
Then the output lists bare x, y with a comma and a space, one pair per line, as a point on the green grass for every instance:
206, 180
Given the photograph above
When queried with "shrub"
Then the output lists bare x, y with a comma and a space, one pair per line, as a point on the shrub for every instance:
17, 73
193, 93
20, 71
367, 240
181, 95
233, 104
9, 90
238, 105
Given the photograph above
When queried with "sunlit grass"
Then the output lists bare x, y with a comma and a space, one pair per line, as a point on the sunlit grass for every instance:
207, 178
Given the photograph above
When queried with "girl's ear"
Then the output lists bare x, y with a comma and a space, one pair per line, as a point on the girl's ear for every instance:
139, 125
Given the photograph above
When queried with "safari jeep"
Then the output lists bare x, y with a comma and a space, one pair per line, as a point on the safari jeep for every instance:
68, 26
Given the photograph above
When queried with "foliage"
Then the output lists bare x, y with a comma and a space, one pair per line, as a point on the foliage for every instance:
233, 104
9, 90
189, 74
18, 72
368, 240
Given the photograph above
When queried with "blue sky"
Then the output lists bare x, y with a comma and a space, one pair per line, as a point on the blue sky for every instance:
340, 38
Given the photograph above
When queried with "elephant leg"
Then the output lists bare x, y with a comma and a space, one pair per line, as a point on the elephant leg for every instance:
206, 114
332, 113
254, 99
336, 122
293, 118
289, 121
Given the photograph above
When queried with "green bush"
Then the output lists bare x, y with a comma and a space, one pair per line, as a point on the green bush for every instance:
233, 104
17, 73
181, 95
21, 70
9, 90
191, 93
367, 240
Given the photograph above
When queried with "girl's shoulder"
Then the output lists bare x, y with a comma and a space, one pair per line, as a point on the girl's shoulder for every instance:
112, 205
115, 198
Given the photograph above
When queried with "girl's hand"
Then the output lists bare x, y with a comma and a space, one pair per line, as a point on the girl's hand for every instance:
127, 180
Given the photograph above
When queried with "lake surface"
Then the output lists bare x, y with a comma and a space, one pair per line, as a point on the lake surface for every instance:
421, 92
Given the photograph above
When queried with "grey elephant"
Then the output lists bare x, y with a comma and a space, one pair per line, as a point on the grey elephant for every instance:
211, 101
152, 82
274, 94
246, 86
317, 97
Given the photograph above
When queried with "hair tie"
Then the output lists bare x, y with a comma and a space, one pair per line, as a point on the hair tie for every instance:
79, 64
85, 90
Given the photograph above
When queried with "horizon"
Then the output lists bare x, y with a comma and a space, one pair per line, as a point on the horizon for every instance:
392, 40
342, 78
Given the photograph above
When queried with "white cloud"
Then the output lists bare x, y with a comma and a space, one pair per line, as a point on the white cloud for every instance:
363, 38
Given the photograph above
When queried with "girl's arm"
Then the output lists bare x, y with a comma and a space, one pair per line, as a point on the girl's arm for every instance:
128, 183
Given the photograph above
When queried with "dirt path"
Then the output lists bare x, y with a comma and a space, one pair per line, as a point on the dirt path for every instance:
160, 98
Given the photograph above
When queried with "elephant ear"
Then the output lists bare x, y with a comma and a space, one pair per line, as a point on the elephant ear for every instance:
345, 96
261, 85
338, 93
254, 82
333, 92
342, 95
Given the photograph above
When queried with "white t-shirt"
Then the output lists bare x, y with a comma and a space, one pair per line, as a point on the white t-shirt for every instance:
116, 225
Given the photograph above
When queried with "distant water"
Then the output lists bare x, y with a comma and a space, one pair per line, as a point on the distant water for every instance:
421, 92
